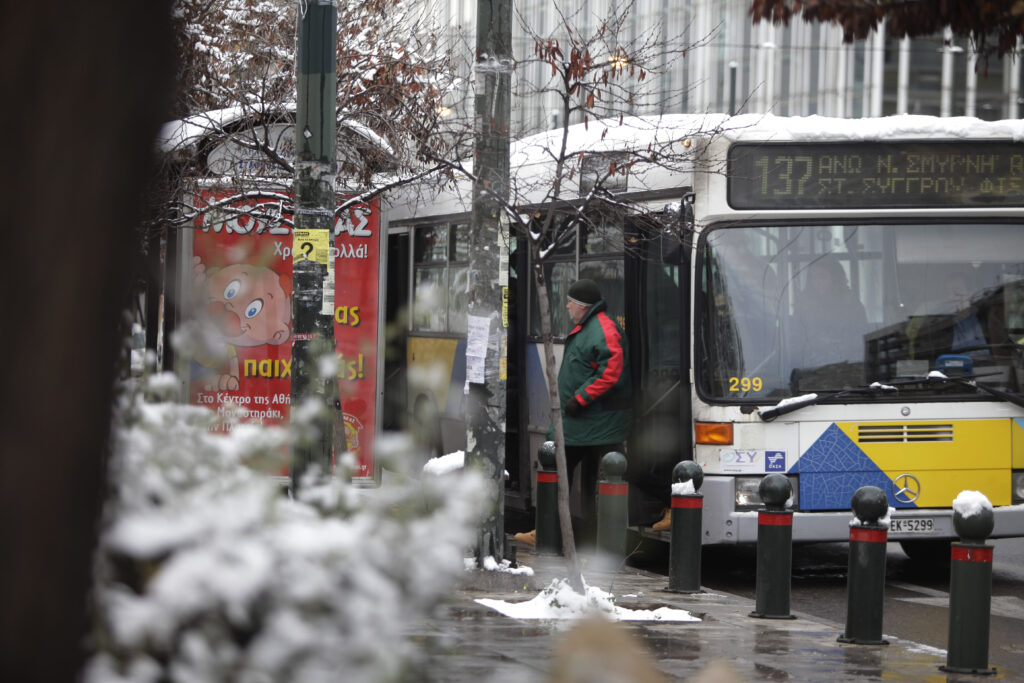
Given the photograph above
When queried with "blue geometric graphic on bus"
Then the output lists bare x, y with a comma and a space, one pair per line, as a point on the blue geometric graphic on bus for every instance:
832, 470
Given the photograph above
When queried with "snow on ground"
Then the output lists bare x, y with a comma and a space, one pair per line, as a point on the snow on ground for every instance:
559, 601
492, 565
445, 463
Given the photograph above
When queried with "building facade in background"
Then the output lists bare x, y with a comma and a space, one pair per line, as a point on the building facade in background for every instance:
733, 65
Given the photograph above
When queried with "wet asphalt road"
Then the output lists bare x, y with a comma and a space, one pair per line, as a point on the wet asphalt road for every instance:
916, 595
463, 640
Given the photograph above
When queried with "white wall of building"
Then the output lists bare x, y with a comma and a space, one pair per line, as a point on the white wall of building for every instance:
796, 70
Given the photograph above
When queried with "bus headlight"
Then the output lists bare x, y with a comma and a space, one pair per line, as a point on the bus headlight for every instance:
747, 497
1018, 487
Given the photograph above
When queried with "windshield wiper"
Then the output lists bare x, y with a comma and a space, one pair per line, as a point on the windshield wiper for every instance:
968, 381
797, 402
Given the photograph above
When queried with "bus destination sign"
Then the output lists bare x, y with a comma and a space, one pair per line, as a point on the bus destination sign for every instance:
876, 175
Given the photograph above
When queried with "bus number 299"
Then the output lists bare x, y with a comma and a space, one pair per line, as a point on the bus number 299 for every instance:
745, 384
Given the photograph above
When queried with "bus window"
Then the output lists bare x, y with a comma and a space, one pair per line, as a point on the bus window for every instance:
744, 301
602, 236
429, 306
840, 306
594, 253
458, 272
458, 298
559, 277
609, 276
441, 264
431, 244
459, 251
663, 319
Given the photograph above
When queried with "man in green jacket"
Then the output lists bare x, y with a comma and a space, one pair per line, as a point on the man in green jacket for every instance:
594, 393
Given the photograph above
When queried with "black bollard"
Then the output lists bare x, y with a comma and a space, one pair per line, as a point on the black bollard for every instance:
970, 586
774, 550
612, 507
549, 530
865, 579
687, 514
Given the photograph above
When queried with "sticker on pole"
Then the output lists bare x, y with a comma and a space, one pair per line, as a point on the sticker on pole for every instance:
311, 245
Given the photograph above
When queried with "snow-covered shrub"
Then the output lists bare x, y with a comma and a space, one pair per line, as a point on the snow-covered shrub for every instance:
207, 571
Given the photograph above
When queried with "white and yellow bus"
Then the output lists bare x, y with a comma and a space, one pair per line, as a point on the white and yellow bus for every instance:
840, 301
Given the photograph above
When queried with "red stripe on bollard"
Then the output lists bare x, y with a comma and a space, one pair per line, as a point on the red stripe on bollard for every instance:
691, 502
962, 554
774, 519
613, 489
547, 478
868, 535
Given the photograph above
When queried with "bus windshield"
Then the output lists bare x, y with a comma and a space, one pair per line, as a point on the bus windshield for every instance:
790, 309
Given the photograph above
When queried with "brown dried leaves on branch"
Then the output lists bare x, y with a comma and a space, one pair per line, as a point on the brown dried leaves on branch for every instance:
982, 21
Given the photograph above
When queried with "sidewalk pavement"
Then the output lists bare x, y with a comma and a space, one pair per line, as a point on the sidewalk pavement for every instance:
466, 641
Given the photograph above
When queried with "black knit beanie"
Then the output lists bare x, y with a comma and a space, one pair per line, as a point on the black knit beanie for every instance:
584, 292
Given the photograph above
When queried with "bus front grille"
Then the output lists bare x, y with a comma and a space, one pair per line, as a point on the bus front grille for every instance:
904, 433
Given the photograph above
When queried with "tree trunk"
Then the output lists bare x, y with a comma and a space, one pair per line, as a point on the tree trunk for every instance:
88, 86
564, 518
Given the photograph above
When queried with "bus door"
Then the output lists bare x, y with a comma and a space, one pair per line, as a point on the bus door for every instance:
658, 335
396, 326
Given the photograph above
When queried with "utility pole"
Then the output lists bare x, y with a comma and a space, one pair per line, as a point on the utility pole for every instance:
312, 264
487, 335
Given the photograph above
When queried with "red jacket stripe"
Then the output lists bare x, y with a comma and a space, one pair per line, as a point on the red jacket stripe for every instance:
614, 367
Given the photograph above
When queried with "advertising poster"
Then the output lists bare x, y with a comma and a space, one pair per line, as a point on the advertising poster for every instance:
356, 302
242, 279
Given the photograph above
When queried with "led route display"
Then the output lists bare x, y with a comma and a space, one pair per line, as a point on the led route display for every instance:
875, 175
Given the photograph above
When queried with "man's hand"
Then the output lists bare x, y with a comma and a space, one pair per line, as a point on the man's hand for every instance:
573, 407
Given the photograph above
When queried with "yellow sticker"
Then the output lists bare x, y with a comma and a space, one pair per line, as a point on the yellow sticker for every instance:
311, 245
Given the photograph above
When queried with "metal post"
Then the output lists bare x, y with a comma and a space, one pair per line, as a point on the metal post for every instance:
687, 527
732, 88
612, 505
549, 532
312, 266
970, 589
774, 550
865, 582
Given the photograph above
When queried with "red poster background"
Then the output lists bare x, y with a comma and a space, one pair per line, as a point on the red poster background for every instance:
356, 302
257, 253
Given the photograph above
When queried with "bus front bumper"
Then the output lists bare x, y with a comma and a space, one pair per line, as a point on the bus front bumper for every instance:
722, 524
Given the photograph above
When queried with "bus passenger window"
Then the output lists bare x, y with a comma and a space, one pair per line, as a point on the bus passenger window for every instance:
459, 252
602, 236
441, 269
431, 244
458, 298
430, 287
430, 303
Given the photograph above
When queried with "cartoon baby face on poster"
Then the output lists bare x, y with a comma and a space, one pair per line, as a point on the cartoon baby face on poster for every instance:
250, 305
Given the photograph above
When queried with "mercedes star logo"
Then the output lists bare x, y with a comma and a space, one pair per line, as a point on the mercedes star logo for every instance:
906, 488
